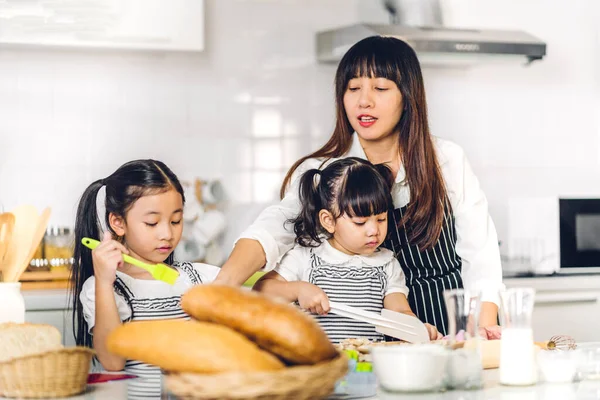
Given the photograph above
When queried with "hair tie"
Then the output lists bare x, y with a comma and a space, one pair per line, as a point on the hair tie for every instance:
317, 178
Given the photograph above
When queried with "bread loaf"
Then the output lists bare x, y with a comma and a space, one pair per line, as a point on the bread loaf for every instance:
189, 346
277, 327
18, 340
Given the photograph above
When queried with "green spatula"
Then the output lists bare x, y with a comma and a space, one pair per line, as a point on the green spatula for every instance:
159, 272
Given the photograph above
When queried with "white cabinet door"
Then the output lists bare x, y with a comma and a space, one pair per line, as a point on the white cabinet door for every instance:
164, 25
574, 313
68, 338
567, 305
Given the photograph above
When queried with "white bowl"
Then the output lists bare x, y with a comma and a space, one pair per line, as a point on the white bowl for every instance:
558, 366
410, 368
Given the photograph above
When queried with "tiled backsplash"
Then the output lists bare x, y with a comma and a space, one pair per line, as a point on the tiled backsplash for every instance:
255, 100
242, 111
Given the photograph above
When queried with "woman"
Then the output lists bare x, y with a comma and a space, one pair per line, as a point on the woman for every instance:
440, 232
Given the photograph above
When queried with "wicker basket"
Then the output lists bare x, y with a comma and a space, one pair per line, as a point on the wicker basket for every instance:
56, 373
298, 383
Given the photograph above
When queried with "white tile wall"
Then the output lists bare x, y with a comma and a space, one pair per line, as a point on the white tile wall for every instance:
243, 110
255, 100
528, 131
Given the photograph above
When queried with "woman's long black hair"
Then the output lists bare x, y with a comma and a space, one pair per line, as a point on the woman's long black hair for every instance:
391, 58
124, 187
351, 186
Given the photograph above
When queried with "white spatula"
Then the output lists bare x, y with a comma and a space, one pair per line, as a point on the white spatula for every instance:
391, 323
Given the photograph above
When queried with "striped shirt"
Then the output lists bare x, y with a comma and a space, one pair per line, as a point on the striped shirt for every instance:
149, 300
428, 272
355, 280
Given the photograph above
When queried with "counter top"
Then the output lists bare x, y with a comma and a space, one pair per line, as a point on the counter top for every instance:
57, 299
491, 391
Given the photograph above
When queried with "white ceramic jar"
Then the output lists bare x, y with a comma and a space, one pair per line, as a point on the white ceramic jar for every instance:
12, 304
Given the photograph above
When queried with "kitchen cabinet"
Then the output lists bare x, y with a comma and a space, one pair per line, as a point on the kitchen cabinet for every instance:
564, 305
163, 25
50, 307
61, 319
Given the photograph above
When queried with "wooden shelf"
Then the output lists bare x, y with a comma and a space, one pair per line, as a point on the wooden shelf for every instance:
44, 285
45, 280
45, 276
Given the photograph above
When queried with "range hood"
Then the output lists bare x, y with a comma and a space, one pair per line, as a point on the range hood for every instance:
436, 45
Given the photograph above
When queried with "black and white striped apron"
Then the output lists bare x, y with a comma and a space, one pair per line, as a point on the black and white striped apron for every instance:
361, 286
149, 309
429, 272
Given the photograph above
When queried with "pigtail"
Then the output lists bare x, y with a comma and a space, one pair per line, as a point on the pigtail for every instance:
86, 225
387, 175
306, 225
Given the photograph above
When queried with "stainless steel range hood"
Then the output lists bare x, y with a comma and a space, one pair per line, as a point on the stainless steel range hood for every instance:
435, 45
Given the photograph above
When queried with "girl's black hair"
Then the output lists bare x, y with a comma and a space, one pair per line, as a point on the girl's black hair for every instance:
124, 187
351, 186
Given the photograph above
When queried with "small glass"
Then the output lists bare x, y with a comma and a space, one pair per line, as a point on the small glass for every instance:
464, 364
589, 361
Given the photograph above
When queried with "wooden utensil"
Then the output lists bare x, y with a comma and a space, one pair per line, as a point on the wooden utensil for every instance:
36, 239
26, 221
7, 223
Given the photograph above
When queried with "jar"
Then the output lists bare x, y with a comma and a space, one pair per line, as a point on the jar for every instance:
12, 304
58, 247
38, 262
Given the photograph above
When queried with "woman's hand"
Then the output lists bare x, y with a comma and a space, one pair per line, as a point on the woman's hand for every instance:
313, 298
433, 332
493, 332
107, 258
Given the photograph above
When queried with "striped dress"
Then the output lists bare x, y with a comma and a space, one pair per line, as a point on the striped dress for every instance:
150, 300
357, 281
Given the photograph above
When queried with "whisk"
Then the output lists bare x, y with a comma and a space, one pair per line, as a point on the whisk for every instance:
561, 342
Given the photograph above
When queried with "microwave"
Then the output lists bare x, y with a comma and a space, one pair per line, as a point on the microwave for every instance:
554, 235
579, 235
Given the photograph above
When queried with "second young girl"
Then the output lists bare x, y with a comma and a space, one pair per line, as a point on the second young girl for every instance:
144, 211
343, 221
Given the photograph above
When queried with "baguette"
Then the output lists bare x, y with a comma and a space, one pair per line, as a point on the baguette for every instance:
189, 346
18, 340
279, 328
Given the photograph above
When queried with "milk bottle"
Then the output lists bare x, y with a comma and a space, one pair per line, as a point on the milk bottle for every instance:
517, 351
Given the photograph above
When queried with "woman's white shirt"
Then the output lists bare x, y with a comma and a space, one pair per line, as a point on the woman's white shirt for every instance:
477, 241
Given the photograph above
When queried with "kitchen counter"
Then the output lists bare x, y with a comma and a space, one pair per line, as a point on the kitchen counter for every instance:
491, 391
57, 299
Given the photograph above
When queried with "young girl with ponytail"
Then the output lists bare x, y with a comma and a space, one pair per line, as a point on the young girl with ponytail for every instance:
342, 222
144, 210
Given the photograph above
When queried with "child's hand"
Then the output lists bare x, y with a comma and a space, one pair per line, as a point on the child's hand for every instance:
491, 332
107, 258
433, 332
313, 298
